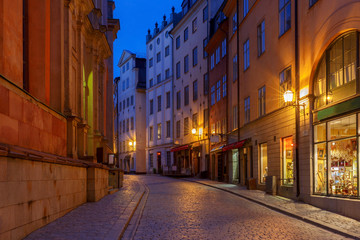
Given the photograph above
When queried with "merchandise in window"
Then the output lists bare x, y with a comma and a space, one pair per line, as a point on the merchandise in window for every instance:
288, 161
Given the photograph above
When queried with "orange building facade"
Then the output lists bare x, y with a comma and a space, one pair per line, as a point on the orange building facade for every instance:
308, 148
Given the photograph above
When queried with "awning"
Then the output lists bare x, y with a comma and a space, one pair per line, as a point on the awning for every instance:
219, 148
234, 145
183, 147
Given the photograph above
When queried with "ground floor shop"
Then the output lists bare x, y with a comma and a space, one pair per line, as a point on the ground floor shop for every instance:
159, 159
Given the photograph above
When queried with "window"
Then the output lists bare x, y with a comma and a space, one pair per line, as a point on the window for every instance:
151, 82
261, 101
132, 100
159, 103
186, 126
124, 104
127, 102
235, 68
124, 126
194, 25
261, 37
218, 90
246, 7
178, 129
127, 83
186, 34
151, 133
234, 23
335, 76
205, 42
186, 63
158, 57
167, 51
224, 85
178, 42
312, 2
168, 159
206, 118
213, 95
206, 84
288, 163
151, 106
235, 117
263, 162
223, 46
159, 131
212, 62
217, 55
247, 109
151, 160
195, 57
167, 129
132, 123
151, 63
246, 55
284, 16
167, 99
205, 13
178, 74
127, 125
186, 95
336, 157
127, 65
195, 90
178, 100
285, 83
158, 78
167, 73
195, 121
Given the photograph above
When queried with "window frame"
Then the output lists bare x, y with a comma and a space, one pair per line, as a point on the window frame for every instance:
261, 38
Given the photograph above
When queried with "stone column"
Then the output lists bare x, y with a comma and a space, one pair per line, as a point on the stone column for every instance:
72, 123
82, 134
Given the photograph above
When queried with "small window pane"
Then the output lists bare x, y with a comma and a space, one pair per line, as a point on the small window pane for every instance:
320, 168
320, 133
342, 128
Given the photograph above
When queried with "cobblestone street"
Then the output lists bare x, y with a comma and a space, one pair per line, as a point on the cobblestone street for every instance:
177, 209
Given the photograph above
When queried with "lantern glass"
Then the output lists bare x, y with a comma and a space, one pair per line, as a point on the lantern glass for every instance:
288, 96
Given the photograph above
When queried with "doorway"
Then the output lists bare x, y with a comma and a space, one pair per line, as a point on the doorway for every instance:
158, 161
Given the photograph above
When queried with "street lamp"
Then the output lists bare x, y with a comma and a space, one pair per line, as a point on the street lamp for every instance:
193, 131
289, 99
130, 143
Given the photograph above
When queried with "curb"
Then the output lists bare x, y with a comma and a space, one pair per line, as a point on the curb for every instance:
287, 212
143, 190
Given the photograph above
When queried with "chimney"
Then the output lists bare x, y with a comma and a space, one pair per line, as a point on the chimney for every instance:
156, 29
164, 22
172, 15
148, 36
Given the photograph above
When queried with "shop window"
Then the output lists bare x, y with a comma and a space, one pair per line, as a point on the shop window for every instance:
336, 157
263, 162
159, 131
288, 161
335, 76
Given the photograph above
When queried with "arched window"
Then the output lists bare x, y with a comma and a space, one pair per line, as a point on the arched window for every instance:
335, 77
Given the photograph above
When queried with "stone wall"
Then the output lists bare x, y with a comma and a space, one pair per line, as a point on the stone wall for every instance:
35, 192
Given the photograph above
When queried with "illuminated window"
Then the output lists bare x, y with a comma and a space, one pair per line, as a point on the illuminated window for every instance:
288, 161
264, 171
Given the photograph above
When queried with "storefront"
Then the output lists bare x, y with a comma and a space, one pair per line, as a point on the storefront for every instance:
182, 158
218, 164
237, 165
336, 119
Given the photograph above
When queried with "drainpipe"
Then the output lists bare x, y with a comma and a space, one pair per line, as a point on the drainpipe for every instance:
238, 80
172, 91
297, 109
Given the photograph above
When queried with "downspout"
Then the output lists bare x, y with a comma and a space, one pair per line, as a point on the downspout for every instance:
297, 109
238, 79
208, 163
172, 90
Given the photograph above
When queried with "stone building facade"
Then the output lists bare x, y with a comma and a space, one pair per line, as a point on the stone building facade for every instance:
57, 109
191, 108
131, 112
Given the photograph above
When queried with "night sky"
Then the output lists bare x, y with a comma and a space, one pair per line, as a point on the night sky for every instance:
136, 16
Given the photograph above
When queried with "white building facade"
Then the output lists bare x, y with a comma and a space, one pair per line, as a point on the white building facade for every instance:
131, 97
159, 107
191, 150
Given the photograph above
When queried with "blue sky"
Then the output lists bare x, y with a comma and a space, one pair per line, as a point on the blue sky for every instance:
136, 16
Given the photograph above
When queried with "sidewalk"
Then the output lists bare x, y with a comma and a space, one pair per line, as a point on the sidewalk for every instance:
330, 221
105, 219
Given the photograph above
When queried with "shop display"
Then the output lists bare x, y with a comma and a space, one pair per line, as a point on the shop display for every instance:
343, 168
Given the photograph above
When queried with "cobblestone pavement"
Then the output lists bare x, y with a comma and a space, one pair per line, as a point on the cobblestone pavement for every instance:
98, 220
300, 209
178, 209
